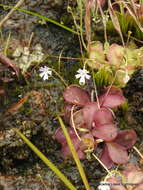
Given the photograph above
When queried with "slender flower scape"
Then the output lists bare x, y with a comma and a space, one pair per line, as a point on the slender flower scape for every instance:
82, 75
45, 72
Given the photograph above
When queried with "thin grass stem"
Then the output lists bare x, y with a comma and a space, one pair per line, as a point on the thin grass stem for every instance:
42, 17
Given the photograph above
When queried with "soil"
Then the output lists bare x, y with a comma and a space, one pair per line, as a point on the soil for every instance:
32, 105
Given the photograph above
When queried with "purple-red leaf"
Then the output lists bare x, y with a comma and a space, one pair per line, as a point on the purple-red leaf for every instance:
126, 138
117, 153
106, 132
88, 113
105, 158
112, 97
59, 136
102, 116
73, 94
66, 153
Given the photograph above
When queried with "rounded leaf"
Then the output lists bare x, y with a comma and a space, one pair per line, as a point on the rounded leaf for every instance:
126, 138
105, 158
59, 136
73, 94
112, 97
103, 116
88, 113
106, 132
116, 54
117, 153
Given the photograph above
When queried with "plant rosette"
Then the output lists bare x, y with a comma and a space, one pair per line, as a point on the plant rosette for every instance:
93, 122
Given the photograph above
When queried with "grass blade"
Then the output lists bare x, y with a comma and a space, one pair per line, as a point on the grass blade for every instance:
46, 161
75, 156
42, 17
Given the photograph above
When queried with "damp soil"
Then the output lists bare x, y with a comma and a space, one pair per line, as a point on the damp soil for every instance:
32, 105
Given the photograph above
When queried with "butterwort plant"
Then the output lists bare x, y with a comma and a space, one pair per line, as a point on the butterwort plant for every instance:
131, 178
90, 122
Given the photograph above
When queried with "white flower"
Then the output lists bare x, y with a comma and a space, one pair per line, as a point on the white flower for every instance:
82, 75
104, 186
45, 72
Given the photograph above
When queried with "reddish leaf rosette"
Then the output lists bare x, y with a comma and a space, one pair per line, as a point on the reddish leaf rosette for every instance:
90, 122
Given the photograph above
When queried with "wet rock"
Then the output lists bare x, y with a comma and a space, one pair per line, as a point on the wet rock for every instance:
24, 183
134, 93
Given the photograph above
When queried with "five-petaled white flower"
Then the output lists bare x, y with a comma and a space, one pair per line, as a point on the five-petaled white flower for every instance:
82, 75
45, 72
104, 186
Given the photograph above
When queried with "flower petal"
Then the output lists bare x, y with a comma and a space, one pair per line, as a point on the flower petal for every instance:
77, 76
82, 80
88, 113
87, 76
76, 95
105, 158
126, 138
105, 132
113, 98
103, 116
117, 153
45, 77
